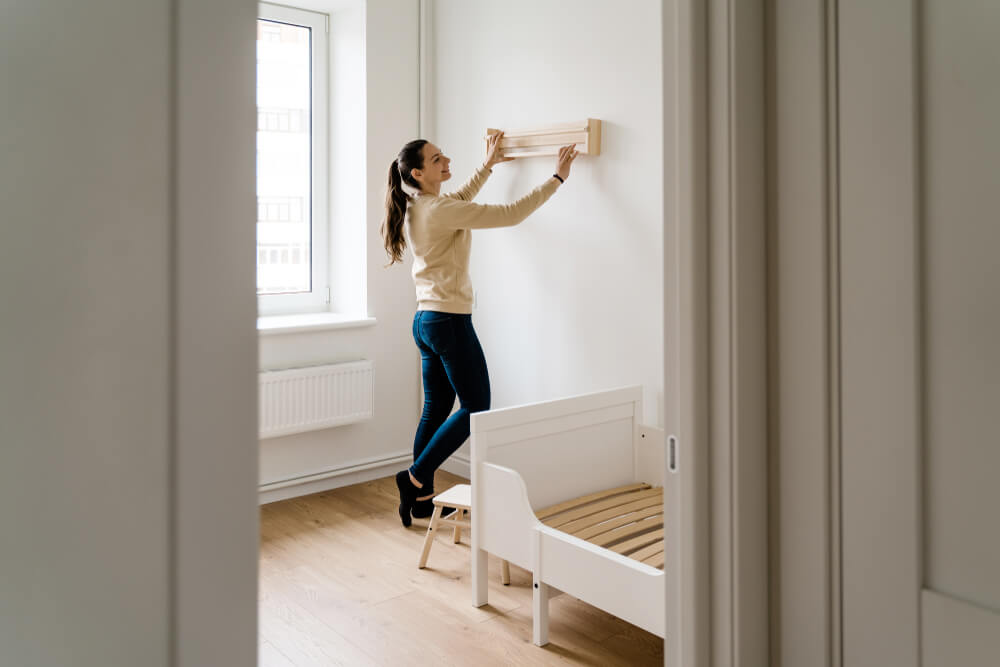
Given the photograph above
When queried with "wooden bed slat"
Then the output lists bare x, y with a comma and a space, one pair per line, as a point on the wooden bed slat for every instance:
628, 546
656, 560
628, 531
647, 552
595, 524
600, 506
630, 516
595, 531
576, 502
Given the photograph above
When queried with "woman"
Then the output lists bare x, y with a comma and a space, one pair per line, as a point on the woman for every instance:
438, 231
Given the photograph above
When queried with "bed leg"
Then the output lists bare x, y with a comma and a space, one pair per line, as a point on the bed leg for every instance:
479, 575
505, 573
540, 612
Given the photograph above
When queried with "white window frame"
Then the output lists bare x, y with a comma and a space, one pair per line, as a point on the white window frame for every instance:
318, 299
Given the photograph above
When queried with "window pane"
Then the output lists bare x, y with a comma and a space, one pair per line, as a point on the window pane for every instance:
284, 159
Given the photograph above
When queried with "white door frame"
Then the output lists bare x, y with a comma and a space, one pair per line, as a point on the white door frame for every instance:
715, 331
213, 477
802, 375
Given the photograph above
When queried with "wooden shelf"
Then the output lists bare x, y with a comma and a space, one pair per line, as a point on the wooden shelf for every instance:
537, 142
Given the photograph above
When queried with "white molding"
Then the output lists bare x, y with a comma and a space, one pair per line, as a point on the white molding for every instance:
884, 416
272, 325
802, 518
351, 473
833, 236
715, 330
687, 352
737, 299
355, 472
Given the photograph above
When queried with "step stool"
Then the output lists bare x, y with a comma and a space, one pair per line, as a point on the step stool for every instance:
459, 497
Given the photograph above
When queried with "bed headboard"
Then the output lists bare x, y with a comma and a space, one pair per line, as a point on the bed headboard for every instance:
565, 448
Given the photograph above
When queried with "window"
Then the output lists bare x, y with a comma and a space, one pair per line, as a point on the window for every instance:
292, 161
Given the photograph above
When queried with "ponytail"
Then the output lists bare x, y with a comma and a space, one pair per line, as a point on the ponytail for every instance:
395, 212
396, 200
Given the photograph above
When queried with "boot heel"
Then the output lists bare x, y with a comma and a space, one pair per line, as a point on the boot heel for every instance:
404, 515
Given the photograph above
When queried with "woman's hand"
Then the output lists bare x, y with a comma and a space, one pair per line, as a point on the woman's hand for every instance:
494, 154
566, 156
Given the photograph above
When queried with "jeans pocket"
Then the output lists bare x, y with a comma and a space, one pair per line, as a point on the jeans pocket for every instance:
437, 331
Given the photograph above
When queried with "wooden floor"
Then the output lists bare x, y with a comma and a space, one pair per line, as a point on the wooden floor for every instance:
339, 585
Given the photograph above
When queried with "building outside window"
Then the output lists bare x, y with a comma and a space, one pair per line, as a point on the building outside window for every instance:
292, 161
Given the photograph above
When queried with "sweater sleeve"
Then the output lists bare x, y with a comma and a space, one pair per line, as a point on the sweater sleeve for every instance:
457, 214
472, 188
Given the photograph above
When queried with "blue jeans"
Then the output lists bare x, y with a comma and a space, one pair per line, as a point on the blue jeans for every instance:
452, 363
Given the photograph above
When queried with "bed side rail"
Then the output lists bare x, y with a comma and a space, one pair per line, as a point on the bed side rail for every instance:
617, 584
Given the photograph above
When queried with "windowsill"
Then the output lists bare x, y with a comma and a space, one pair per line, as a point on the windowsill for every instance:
309, 322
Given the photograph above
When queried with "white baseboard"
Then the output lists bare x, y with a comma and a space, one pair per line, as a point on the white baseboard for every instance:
334, 478
352, 473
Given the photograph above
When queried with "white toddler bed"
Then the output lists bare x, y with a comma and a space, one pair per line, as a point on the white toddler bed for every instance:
548, 477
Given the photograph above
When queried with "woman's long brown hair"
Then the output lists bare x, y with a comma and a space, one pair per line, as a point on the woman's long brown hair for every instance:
410, 158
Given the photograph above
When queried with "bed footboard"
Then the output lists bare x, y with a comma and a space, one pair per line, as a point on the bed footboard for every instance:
503, 525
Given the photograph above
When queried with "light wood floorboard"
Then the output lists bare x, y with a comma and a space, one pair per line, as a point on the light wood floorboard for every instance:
339, 585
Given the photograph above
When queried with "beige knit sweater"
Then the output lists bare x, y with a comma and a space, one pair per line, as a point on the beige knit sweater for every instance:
439, 234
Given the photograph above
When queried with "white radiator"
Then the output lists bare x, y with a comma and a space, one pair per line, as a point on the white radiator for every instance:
307, 399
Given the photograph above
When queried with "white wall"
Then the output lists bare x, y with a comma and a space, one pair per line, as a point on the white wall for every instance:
571, 300
127, 411
390, 44
348, 157
578, 286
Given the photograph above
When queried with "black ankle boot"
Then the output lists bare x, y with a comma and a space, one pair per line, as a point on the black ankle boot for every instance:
423, 509
407, 496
